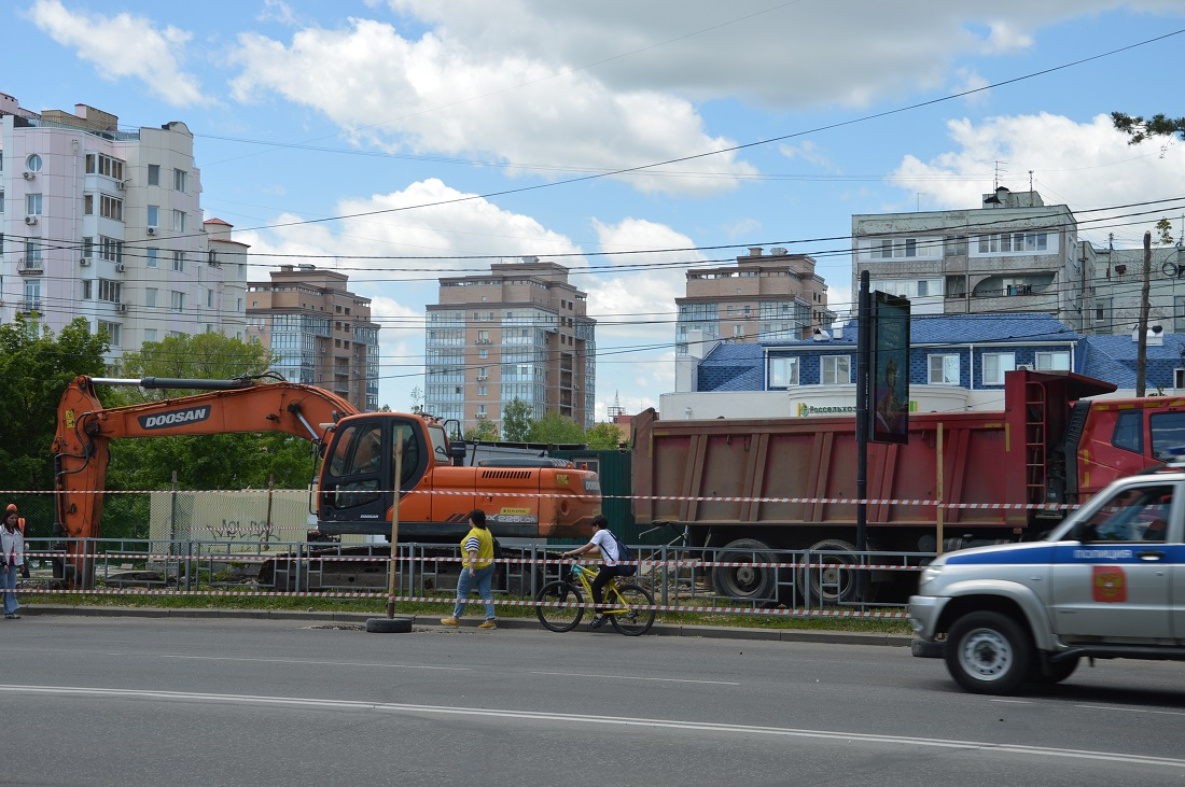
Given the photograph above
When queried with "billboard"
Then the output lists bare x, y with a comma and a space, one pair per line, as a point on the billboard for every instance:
889, 412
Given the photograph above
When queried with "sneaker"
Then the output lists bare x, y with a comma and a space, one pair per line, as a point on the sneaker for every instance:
13, 616
450, 621
597, 622
489, 624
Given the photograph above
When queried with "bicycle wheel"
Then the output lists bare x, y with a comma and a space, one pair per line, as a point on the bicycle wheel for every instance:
561, 606
634, 621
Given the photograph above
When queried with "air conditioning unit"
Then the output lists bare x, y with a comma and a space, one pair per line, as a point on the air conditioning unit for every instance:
121, 308
152, 230
30, 220
119, 184
120, 267
85, 261
30, 175
1024, 367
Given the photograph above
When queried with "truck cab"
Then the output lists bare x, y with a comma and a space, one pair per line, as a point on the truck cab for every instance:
1109, 582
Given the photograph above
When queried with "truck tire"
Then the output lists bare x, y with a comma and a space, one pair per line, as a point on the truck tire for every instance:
746, 582
1055, 672
832, 584
988, 653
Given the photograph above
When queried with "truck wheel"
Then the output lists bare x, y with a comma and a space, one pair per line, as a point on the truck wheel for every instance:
832, 583
745, 582
988, 653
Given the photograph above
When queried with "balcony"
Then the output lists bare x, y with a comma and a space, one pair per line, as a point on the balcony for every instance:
30, 265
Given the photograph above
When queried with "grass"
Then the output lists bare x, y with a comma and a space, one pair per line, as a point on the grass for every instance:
378, 606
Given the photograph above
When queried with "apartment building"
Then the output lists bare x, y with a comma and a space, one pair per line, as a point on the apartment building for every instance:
106, 223
520, 331
1116, 287
321, 332
1013, 254
761, 298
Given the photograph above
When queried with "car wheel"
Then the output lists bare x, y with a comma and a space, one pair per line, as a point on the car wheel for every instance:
988, 653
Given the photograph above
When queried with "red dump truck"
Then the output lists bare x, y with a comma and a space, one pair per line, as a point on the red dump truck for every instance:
744, 486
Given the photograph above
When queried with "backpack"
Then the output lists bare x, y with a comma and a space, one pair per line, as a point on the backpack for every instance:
624, 554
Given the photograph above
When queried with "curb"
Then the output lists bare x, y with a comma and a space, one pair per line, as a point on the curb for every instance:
358, 620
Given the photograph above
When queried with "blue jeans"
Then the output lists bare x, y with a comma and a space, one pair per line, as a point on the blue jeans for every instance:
484, 579
8, 582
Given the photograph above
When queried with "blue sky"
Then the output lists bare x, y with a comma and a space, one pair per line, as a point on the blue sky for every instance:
465, 120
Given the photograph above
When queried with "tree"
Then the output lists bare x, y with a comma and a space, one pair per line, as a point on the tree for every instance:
486, 431
604, 436
554, 428
417, 400
209, 356
516, 421
1138, 129
35, 368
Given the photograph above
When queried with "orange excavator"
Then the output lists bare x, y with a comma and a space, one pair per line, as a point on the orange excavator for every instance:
540, 498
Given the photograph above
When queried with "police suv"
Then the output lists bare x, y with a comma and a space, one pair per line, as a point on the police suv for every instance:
1108, 582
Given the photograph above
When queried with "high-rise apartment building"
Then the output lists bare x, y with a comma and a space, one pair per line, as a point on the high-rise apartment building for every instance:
520, 331
761, 298
321, 332
106, 224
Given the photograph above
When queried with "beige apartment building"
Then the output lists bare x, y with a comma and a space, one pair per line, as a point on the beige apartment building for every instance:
520, 331
762, 298
321, 332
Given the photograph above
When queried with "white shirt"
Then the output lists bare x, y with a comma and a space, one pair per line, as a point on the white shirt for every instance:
605, 542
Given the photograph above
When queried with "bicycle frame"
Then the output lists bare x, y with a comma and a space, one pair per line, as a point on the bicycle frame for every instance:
612, 596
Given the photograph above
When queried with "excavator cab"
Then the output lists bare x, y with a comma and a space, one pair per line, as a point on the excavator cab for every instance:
357, 476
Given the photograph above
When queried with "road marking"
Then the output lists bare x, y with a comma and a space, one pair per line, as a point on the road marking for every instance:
618, 721
1133, 710
638, 677
319, 663
1014, 702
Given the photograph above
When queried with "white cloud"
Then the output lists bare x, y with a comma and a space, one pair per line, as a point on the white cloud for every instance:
433, 95
122, 46
277, 11
1086, 166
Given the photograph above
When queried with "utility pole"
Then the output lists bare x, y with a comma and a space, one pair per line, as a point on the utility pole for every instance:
1142, 341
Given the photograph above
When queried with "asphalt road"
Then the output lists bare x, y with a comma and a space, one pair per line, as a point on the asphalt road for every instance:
142, 701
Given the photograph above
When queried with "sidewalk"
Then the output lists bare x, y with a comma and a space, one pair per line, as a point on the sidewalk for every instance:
426, 622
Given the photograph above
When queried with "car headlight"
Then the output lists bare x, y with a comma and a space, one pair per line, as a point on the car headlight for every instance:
930, 573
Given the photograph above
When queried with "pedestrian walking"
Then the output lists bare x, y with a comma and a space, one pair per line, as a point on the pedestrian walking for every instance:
477, 570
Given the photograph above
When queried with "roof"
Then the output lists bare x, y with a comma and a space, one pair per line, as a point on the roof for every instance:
1113, 358
961, 329
733, 367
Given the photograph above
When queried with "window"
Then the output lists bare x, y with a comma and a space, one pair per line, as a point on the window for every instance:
995, 365
1168, 435
88, 204
150, 297
110, 207
1136, 514
110, 291
32, 250
154, 174
483, 353
110, 249
783, 371
32, 204
177, 302
154, 215
178, 221
836, 369
1, 200
738, 331
152, 257
111, 330
99, 164
483, 390
210, 298
179, 176
179, 261
944, 370
483, 337
1053, 361
483, 372
33, 163
150, 334
1013, 243
87, 289
32, 295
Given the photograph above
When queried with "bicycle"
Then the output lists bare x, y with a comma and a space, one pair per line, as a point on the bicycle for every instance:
630, 608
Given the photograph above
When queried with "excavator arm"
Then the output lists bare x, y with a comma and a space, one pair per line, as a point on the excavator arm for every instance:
85, 428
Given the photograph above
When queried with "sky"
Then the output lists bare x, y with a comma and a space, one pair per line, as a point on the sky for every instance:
404, 140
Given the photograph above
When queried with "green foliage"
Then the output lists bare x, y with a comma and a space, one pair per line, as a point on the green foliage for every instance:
604, 436
486, 431
516, 421
1164, 232
35, 368
555, 428
1138, 129
221, 461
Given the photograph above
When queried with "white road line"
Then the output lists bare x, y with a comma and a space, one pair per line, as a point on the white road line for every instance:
620, 721
638, 677
319, 663
1133, 710
1014, 702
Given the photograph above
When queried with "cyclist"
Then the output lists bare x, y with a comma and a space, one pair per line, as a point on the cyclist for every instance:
604, 541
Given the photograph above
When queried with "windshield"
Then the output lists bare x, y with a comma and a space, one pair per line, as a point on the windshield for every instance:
1135, 513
